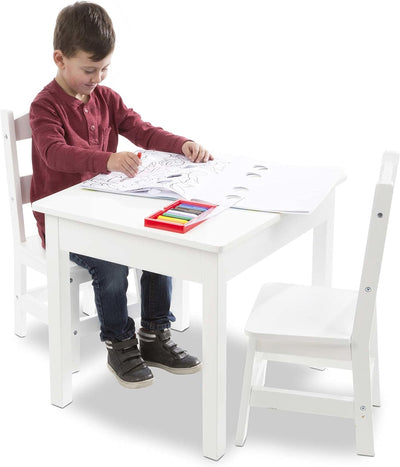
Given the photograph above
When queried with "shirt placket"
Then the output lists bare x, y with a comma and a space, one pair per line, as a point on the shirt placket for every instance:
93, 130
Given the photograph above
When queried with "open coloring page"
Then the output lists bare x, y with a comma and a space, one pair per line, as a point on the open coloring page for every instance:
160, 172
242, 182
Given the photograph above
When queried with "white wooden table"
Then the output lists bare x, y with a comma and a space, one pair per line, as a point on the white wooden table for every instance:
110, 227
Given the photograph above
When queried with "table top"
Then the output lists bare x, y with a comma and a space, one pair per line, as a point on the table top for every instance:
126, 213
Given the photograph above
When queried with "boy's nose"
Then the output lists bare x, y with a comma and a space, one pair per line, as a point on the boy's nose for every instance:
96, 78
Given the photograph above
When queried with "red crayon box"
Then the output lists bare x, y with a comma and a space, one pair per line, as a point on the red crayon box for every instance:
179, 216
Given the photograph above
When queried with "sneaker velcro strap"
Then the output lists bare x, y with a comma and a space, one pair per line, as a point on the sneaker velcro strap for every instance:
124, 344
131, 365
179, 352
174, 349
165, 335
133, 352
169, 345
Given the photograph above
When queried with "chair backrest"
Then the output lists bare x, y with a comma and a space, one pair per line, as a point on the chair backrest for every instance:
374, 251
18, 187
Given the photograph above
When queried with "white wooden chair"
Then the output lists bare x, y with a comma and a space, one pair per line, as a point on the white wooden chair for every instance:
322, 327
28, 252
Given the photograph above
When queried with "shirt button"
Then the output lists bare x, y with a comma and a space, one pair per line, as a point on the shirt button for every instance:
85, 109
92, 127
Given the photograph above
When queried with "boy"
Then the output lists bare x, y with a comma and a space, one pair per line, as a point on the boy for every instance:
75, 126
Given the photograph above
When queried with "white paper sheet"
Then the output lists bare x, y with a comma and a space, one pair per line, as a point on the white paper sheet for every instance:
246, 183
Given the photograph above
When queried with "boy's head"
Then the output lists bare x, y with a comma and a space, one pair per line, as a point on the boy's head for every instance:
84, 27
84, 41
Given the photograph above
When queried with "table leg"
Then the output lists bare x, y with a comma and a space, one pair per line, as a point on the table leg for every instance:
323, 247
214, 365
59, 316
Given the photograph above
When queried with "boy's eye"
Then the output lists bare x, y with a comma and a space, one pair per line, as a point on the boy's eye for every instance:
89, 72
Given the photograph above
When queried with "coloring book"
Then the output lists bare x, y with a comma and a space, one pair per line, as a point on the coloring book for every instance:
242, 182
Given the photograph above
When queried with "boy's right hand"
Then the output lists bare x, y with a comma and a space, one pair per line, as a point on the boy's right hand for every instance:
125, 162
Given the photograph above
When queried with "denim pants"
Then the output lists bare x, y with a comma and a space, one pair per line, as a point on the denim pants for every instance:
110, 284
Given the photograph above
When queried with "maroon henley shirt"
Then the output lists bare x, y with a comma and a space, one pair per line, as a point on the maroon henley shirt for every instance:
72, 140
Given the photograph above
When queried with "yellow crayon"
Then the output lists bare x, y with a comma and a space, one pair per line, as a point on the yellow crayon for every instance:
172, 219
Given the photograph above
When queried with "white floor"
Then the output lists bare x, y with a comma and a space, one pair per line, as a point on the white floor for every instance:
107, 424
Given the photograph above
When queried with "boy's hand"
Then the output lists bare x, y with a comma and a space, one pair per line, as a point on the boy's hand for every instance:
196, 153
125, 162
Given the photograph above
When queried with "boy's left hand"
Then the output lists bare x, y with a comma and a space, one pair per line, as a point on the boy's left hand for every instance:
196, 153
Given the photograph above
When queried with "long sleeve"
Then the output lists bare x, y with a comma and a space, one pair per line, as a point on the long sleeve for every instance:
62, 150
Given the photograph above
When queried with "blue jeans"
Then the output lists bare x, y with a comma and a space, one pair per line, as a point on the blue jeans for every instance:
110, 284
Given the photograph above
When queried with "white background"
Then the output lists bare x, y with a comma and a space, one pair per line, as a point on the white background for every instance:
301, 82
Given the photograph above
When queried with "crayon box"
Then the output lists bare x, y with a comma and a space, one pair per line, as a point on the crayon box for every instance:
179, 216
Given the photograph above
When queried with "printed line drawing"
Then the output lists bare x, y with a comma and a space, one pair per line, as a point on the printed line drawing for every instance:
159, 171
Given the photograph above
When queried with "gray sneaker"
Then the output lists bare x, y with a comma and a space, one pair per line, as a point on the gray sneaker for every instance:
158, 350
125, 361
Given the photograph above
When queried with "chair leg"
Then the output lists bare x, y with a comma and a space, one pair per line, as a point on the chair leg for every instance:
75, 319
363, 407
244, 410
259, 370
376, 393
19, 290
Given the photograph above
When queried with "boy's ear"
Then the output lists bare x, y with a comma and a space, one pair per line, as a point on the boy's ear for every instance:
58, 58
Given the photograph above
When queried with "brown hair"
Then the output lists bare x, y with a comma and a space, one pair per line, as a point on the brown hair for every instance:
84, 26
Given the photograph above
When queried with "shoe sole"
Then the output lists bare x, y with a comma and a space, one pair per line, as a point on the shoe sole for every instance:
131, 384
176, 371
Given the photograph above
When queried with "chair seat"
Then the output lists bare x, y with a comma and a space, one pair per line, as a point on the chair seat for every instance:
304, 320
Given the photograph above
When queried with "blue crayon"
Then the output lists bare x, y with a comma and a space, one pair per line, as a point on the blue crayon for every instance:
191, 206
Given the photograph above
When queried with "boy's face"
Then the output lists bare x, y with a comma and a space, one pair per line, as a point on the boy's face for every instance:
79, 75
